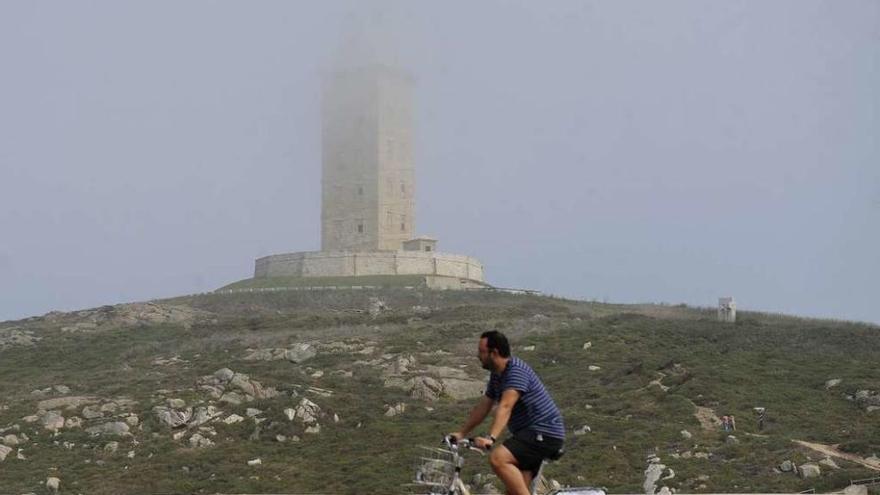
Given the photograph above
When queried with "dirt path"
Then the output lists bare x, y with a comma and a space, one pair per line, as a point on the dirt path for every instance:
831, 451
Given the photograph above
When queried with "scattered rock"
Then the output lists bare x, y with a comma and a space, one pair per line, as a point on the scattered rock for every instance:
587, 345
313, 429
73, 422
204, 414
92, 412
234, 418
829, 463
289, 412
307, 412
395, 410
653, 473
197, 441
686, 434
809, 470
232, 398
255, 462
832, 383
111, 447
583, 430
72, 402
176, 403
251, 412
224, 374
425, 388
4, 451
62, 389
593, 367
528, 348
300, 353
377, 306
132, 420
856, 490
173, 417
731, 440
53, 484
52, 420
117, 428
786, 466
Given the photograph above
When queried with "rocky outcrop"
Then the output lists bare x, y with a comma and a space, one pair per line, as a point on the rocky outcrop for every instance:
14, 337
298, 353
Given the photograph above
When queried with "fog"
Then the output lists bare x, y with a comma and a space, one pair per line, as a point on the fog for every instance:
618, 151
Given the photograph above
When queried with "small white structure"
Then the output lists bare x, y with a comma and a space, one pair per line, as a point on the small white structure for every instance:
726, 309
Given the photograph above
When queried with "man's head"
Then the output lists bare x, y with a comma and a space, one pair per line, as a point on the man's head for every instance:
493, 350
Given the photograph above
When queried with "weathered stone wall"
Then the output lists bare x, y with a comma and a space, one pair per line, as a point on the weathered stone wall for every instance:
351, 263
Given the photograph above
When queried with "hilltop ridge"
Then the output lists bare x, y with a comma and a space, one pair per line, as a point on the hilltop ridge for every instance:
332, 390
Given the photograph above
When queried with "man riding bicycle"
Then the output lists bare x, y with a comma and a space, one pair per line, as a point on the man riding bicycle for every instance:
524, 406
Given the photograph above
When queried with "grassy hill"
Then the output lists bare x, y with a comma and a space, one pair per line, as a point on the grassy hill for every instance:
646, 376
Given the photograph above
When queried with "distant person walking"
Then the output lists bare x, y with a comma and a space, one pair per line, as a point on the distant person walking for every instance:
524, 407
761, 414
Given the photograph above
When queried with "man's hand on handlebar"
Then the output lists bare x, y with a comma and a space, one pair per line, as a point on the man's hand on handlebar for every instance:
479, 443
484, 443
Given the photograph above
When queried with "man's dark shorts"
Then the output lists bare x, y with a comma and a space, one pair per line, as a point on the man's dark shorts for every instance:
530, 449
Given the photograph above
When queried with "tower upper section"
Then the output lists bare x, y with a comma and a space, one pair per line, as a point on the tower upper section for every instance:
368, 180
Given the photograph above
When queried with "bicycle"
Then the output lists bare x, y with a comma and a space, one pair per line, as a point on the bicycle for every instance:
441, 472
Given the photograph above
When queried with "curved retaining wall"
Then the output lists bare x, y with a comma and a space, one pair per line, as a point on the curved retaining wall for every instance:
350, 263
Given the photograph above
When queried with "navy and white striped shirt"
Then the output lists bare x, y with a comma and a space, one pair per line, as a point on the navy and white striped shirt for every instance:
535, 409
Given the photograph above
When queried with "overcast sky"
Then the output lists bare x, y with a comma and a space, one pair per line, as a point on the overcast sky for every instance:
625, 151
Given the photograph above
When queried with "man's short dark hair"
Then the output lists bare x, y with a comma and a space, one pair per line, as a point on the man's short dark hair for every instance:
497, 340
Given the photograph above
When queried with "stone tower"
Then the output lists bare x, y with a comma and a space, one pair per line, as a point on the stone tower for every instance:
368, 182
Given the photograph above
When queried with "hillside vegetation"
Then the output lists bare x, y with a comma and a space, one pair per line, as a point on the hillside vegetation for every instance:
333, 391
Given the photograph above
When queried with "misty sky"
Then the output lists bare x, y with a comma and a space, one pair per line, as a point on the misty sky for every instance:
625, 151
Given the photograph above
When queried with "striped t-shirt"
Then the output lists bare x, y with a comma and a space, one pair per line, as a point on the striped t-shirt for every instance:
534, 410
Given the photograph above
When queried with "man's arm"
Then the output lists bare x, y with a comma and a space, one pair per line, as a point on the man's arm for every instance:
477, 415
502, 415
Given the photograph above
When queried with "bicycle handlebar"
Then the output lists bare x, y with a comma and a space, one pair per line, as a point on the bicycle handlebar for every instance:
468, 443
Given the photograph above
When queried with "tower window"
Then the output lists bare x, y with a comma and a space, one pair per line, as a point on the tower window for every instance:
402, 187
360, 228
360, 190
427, 248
